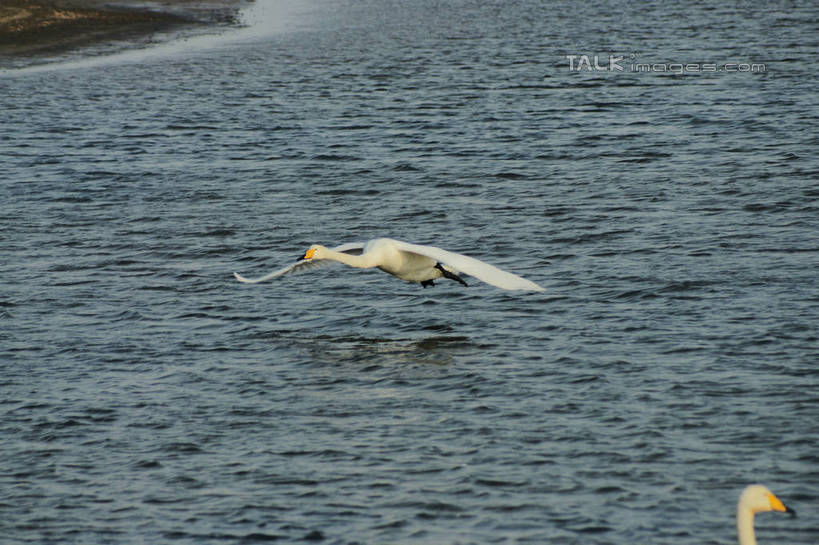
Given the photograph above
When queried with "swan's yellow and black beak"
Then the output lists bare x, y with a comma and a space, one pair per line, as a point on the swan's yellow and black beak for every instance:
308, 254
777, 505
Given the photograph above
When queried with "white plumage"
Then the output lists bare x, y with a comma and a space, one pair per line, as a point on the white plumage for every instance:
755, 499
410, 262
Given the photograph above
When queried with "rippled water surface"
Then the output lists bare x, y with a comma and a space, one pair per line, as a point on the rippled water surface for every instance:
147, 397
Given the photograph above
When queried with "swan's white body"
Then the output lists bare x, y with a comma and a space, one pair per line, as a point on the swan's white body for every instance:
755, 499
410, 262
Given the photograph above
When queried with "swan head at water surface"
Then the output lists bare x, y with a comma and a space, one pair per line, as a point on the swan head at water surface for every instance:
755, 499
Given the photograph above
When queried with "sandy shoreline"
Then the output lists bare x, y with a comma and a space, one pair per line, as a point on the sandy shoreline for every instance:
44, 27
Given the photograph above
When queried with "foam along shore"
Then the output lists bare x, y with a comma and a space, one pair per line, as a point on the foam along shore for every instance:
48, 27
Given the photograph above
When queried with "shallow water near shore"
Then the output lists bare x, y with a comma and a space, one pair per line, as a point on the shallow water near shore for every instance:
672, 218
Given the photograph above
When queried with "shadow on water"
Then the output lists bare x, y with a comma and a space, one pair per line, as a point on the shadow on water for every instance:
435, 350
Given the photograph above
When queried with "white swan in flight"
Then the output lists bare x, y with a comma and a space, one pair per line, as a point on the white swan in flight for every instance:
410, 262
755, 499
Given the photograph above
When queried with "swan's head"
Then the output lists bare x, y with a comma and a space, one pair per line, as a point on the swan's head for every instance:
757, 498
316, 251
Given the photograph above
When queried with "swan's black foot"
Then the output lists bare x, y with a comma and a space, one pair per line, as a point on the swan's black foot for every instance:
427, 283
449, 275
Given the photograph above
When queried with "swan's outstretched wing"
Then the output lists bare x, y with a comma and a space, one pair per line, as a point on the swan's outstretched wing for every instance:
473, 267
354, 248
299, 266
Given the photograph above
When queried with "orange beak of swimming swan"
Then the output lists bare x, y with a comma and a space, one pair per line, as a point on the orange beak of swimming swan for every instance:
777, 505
308, 254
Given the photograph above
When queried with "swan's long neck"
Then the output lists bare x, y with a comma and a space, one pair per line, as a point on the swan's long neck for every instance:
745, 526
359, 261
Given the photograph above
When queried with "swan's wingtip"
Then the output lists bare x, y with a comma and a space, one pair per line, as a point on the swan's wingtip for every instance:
528, 285
241, 278
534, 288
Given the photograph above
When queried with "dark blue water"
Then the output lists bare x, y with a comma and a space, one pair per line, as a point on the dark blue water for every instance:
672, 215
